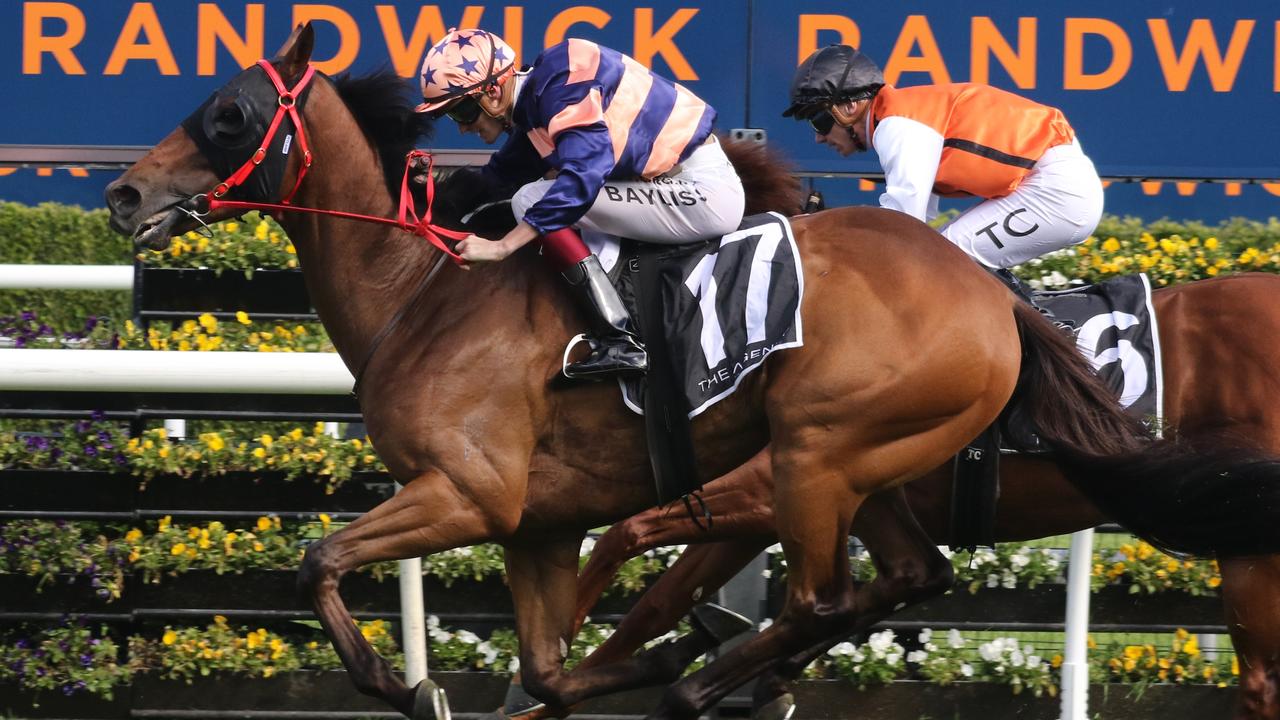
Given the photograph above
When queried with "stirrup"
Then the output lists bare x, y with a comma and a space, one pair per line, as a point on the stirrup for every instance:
564, 361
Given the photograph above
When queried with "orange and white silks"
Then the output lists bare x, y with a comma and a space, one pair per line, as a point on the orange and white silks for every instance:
991, 138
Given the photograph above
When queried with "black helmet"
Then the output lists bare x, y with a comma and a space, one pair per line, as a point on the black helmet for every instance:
834, 74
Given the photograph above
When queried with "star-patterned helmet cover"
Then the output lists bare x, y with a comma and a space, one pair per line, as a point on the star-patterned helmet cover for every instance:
463, 62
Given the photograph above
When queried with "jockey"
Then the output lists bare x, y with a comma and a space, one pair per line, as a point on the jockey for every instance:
1040, 192
625, 152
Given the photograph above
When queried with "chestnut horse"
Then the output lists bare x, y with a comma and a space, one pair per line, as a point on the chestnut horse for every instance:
1220, 377
910, 351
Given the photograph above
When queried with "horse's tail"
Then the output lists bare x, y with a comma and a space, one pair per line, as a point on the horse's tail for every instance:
1182, 496
767, 180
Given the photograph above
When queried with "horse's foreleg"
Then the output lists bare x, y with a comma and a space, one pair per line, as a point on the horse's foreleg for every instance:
741, 504
909, 570
700, 571
815, 508
1251, 592
542, 577
427, 516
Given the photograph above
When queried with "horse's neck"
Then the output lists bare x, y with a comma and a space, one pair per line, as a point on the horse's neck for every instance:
359, 275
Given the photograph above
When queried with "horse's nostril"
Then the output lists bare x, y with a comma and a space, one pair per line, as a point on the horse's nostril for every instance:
123, 199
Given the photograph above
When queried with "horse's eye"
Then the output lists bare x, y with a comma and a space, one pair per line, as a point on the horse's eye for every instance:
228, 121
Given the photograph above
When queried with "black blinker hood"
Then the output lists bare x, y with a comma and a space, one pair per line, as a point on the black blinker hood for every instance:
256, 97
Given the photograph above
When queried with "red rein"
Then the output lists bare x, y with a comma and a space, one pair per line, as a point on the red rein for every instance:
407, 218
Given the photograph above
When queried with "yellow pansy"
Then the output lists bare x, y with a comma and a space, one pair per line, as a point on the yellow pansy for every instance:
169, 637
208, 322
264, 524
178, 549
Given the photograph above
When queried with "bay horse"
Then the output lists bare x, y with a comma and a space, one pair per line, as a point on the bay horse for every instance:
1221, 377
910, 351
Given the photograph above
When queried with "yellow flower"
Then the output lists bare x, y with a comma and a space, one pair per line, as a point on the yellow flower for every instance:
261, 230
1192, 647
242, 317
169, 638
135, 555
178, 549
268, 671
1133, 651
133, 536
357, 444
215, 442
1214, 581
188, 326
164, 523
258, 547
193, 532
296, 433
259, 453
208, 322
266, 440
264, 523
325, 520
1211, 244
1056, 661
1111, 245
231, 227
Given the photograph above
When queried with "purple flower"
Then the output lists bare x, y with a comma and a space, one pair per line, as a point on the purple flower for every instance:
98, 416
121, 459
28, 316
22, 644
104, 436
57, 453
90, 451
86, 660
82, 426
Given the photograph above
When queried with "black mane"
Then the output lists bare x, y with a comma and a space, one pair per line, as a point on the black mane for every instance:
383, 107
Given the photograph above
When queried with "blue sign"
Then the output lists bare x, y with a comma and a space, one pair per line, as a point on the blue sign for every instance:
1172, 90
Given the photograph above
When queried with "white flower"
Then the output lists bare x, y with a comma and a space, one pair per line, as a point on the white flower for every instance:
1008, 580
955, 639
917, 656
467, 637
1020, 559
966, 670
1016, 659
858, 656
993, 580
924, 635
894, 658
1034, 661
513, 667
844, 648
881, 640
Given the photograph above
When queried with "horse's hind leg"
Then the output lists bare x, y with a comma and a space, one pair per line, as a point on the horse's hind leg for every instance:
1251, 592
427, 516
909, 570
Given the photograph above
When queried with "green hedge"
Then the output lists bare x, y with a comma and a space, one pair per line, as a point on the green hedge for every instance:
53, 234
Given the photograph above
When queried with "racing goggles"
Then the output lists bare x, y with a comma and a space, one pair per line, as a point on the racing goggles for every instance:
822, 122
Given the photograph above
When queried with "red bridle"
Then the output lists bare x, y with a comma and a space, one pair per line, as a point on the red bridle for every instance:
407, 219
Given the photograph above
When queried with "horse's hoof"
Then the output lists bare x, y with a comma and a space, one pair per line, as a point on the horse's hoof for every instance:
520, 705
780, 708
718, 623
430, 703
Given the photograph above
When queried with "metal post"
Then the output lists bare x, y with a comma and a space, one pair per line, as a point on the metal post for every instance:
1075, 663
413, 621
746, 594
176, 429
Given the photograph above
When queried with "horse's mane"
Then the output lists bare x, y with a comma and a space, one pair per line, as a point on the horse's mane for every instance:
381, 105
766, 177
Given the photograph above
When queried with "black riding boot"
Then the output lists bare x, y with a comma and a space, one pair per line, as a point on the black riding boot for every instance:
1021, 290
615, 349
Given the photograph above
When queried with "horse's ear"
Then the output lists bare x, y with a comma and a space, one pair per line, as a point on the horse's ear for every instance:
293, 56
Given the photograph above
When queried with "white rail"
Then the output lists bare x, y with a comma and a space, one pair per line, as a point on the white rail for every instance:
191, 372
1075, 662
66, 277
